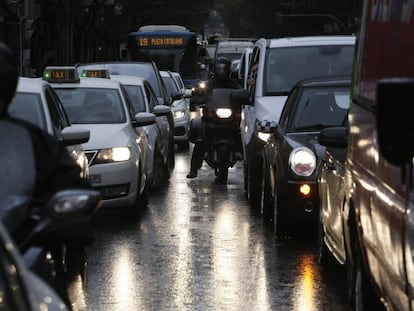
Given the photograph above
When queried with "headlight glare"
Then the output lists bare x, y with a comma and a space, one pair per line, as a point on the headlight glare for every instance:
223, 113
302, 161
116, 154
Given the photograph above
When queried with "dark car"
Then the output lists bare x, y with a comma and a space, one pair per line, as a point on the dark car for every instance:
150, 72
292, 155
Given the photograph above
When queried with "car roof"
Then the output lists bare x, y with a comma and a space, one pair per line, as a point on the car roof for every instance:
91, 82
125, 79
309, 41
30, 85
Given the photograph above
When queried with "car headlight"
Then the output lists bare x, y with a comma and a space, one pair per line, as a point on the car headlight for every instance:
202, 85
178, 114
110, 155
223, 113
302, 161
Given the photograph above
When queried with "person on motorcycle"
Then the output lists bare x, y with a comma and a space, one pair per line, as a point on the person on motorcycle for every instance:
221, 79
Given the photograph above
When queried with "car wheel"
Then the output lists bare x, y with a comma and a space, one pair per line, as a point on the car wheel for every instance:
183, 146
159, 171
254, 186
279, 222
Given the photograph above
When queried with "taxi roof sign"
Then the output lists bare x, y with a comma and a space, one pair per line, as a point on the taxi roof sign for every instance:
60, 74
95, 73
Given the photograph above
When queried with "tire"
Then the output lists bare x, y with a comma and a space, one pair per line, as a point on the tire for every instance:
159, 172
222, 175
254, 187
183, 146
280, 224
265, 206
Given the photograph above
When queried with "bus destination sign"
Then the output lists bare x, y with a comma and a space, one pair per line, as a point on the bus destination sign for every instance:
160, 41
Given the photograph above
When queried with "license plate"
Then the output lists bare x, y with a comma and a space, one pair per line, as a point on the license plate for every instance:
94, 179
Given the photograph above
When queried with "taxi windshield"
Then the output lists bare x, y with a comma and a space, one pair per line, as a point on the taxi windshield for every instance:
92, 105
28, 107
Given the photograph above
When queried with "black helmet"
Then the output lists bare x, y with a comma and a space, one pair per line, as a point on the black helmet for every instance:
222, 67
8, 77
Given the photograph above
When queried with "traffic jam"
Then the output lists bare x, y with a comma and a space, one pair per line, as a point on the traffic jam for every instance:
232, 172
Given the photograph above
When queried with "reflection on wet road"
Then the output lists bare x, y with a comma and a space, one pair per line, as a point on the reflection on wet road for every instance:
198, 246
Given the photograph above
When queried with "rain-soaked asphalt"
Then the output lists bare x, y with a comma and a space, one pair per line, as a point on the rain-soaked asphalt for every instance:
198, 246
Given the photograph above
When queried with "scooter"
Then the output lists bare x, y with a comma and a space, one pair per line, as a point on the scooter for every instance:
220, 130
36, 230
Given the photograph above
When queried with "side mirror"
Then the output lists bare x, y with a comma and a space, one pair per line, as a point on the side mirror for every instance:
144, 118
162, 110
176, 96
395, 128
188, 93
334, 137
240, 97
73, 135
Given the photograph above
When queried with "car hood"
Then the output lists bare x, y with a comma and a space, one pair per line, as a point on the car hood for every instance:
107, 135
309, 140
179, 104
269, 107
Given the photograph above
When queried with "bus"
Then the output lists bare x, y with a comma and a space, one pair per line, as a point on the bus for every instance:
171, 47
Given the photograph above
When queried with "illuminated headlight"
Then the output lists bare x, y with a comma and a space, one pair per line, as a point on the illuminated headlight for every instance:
263, 136
223, 113
202, 85
113, 155
178, 114
302, 161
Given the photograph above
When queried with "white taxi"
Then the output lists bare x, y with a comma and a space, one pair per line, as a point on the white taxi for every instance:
36, 101
116, 162
144, 99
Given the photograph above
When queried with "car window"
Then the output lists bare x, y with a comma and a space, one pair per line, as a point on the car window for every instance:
136, 95
170, 85
286, 66
56, 115
28, 107
319, 107
152, 99
92, 105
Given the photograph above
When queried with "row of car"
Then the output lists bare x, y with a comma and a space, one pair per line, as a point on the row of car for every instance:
117, 129
337, 150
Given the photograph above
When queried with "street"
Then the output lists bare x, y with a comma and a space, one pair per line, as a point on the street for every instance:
198, 246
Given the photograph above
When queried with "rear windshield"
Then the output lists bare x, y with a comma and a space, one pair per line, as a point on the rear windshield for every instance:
286, 66
92, 105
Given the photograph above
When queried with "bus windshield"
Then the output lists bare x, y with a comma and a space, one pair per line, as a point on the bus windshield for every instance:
171, 50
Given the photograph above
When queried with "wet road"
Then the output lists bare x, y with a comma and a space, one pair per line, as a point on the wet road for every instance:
198, 246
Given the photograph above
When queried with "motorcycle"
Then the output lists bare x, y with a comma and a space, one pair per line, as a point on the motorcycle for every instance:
38, 231
219, 129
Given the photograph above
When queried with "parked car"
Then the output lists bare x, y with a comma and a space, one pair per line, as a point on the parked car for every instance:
37, 102
292, 156
144, 99
276, 65
150, 72
117, 164
180, 109
379, 189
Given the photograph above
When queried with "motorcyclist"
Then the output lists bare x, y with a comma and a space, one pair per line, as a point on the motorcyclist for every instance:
221, 79
55, 168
